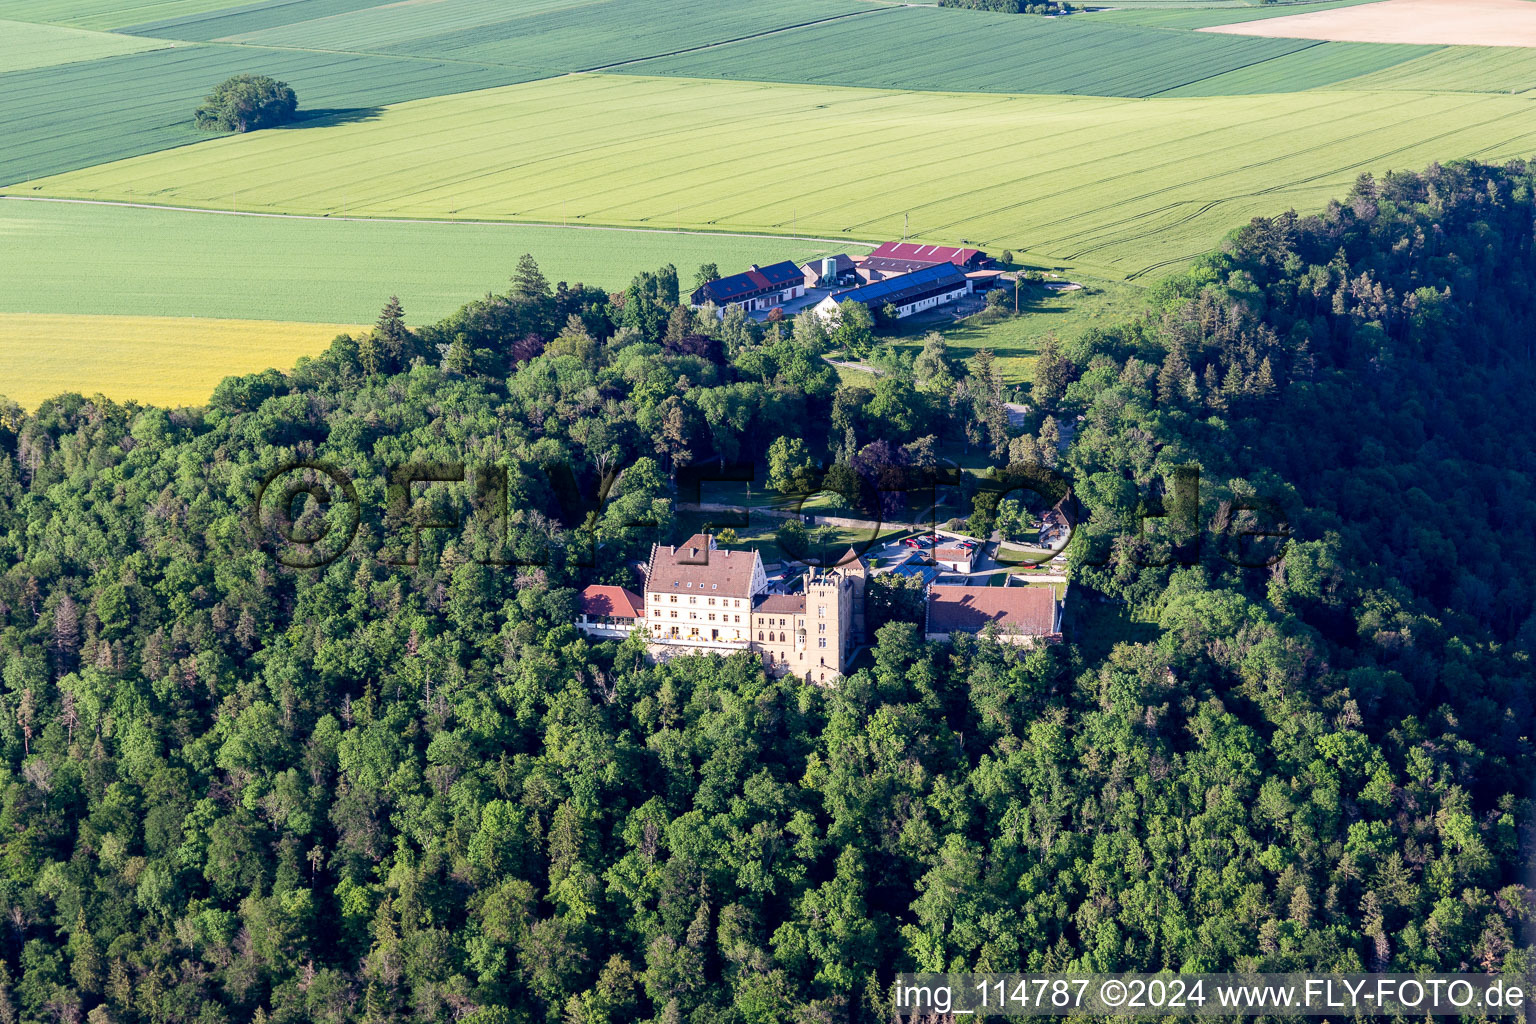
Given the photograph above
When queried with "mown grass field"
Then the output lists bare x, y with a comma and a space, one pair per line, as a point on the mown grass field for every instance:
166, 361
1118, 187
119, 260
969, 51
40, 46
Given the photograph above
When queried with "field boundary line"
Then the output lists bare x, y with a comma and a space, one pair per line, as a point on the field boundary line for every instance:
428, 220
740, 39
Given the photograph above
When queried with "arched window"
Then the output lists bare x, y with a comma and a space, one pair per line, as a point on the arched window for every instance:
759, 634
781, 638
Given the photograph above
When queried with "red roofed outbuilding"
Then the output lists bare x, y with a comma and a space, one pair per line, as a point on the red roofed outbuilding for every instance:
1018, 615
905, 257
609, 611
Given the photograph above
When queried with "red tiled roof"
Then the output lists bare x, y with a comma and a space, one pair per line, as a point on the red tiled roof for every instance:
780, 604
921, 252
615, 601
693, 567
952, 555
1030, 610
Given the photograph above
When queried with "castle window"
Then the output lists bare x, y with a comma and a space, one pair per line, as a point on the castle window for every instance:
711, 602
674, 596
759, 634
821, 641
822, 627
821, 610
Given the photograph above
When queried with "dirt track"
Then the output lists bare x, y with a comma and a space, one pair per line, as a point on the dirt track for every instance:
1451, 22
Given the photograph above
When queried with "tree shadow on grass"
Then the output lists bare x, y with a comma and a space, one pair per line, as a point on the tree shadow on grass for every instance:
324, 117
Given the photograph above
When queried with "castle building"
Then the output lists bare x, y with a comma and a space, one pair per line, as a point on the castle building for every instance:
701, 598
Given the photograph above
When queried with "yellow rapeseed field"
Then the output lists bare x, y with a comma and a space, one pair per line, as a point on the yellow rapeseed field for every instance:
156, 360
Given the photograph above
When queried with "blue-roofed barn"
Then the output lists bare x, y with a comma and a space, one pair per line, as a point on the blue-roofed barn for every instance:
909, 293
757, 288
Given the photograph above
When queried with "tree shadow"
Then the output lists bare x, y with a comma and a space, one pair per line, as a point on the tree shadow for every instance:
324, 117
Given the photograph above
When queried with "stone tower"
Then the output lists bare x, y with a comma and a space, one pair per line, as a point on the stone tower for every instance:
857, 573
828, 619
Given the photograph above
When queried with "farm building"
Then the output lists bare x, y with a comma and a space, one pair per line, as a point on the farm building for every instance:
909, 293
830, 272
1019, 615
756, 288
905, 257
954, 557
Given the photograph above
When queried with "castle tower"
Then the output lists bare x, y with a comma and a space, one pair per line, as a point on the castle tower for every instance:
857, 573
827, 621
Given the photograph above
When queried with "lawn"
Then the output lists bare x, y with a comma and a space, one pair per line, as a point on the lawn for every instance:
171, 263
165, 361
1015, 340
39, 46
76, 115
969, 51
1112, 186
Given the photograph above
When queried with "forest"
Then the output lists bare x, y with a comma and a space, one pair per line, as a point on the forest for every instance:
400, 785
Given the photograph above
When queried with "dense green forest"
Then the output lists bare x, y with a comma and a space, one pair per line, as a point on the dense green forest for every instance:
375, 791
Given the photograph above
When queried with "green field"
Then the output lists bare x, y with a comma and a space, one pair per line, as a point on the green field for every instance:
228, 19
120, 260
551, 35
1121, 187
102, 14
76, 115
40, 46
1320, 66
1219, 12
969, 51
1460, 69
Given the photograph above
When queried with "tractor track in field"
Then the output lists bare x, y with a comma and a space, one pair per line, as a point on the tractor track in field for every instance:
429, 220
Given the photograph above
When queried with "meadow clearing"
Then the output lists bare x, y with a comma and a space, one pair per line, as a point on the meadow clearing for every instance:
928, 49
187, 264
1460, 22
1117, 187
167, 361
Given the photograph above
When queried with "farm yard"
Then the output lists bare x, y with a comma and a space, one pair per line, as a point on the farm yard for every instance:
1119, 187
439, 140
